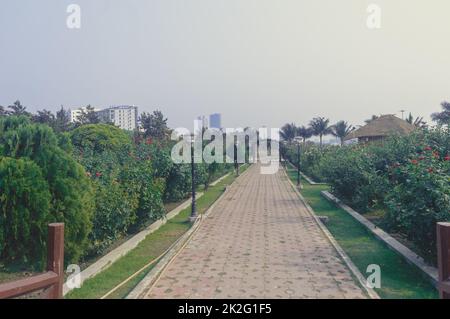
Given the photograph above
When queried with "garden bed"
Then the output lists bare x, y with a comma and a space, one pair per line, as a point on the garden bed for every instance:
150, 248
399, 279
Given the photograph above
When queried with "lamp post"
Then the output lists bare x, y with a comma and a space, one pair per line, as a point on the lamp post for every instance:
298, 163
298, 142
194, 214
236, 164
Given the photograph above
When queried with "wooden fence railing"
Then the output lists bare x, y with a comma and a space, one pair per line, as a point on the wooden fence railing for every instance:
443, 251
52, 280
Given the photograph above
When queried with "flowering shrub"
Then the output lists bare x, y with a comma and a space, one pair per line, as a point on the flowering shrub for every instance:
407, 176
128, 193
420, 197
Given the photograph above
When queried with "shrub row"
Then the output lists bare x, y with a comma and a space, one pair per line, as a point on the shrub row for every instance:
406, 176
101, 181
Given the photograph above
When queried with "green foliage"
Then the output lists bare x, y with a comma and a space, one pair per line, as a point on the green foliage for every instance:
406, 176
101, 137
24, 210
129, 191
178, 183
419, 198
71, 194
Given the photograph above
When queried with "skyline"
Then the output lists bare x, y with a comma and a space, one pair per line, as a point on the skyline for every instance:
257, 63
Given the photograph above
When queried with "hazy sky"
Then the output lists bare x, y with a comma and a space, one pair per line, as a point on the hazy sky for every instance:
258, 62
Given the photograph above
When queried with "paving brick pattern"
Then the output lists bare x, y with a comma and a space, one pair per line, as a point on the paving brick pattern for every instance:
259, 242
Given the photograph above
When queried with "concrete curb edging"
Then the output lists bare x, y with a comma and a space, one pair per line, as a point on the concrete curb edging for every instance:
355, 271
145, 284
107, 260
308, 179
411, 257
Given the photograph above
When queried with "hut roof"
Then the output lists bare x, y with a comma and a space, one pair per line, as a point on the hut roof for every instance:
385, 125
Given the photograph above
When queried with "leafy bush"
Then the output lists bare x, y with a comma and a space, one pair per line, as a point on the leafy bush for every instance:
24, 210
406, 176
420, 198
71, 192
353, 178
129, 193
101, 137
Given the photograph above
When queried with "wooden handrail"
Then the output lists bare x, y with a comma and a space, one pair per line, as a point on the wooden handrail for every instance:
27, 285
52, 279
443, 252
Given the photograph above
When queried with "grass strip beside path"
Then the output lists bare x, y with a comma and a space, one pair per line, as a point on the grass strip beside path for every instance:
399, 280
151, 247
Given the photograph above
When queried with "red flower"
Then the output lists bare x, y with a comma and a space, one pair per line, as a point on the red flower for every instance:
414, 162
430, 170
98, 174
149, 141
447, 158
428, 148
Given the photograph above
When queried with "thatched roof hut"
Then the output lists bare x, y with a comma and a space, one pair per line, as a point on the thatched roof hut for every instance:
378, 129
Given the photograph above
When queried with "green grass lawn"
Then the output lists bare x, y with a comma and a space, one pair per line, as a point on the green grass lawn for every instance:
399, 280
151, 247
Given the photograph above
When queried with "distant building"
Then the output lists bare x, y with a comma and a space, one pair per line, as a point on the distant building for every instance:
380, 128
215, 120
200, 123
76, 113
123, 116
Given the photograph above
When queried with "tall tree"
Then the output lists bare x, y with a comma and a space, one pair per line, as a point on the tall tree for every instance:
442, 118
44, 117
341, 129
417, 122
320, 127
18, 109
304, 132
88, 116
62, 121
155, 125
288, 132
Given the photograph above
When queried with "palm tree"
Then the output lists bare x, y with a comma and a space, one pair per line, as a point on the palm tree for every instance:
320, 127
288, 132
442, 118
341, 129
417, 122
304, 133
18, 109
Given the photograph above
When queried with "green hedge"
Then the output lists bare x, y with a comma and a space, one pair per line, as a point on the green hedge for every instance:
406, 176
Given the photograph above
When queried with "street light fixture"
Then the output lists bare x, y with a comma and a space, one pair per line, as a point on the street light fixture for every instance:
236, 164
194, 213
298, 161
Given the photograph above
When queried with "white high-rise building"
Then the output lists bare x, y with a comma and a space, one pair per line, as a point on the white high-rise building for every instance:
123, 116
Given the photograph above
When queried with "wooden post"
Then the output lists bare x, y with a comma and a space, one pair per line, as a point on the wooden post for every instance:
55, 258
443, 252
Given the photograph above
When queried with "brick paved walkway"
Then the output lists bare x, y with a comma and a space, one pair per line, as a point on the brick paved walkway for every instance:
259, 242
